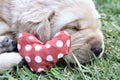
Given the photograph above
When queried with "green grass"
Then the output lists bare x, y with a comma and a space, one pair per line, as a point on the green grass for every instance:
106, 68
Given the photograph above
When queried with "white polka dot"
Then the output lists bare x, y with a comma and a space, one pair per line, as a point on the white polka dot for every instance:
27, 58
40, 69
38, 47
28, 47
18, 46
60, 55
66, 33
30, 37
48, 46
38, 59
31, 69
68, 43
57, 34
20, 35
59, 43
49, 58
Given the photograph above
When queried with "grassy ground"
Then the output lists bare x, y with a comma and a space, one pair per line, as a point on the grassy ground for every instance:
106, 68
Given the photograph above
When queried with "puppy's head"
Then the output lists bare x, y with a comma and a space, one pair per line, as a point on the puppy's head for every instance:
81, 19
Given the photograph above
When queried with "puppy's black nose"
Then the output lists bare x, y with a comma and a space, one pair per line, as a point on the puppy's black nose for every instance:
97, 51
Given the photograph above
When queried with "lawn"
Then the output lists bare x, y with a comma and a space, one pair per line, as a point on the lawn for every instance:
106, 68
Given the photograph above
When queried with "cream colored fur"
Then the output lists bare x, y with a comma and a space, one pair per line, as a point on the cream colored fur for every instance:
44, 18
8, 60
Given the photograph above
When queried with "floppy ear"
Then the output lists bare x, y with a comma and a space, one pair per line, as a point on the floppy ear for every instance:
37, 21
63, 18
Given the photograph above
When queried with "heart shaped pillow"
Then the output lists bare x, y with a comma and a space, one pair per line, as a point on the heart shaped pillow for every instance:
41, 56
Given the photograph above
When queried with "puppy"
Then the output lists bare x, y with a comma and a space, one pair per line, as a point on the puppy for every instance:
44, 18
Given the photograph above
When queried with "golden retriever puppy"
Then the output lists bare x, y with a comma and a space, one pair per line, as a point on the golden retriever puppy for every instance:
44, 18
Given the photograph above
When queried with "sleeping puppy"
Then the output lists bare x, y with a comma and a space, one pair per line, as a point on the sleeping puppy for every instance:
44, 18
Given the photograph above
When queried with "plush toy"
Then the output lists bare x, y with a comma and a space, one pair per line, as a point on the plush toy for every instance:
41, 56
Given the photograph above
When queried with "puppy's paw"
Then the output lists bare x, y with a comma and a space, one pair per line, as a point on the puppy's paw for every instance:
7, 44
9, 60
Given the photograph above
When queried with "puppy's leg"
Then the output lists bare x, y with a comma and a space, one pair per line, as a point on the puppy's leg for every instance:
9, 60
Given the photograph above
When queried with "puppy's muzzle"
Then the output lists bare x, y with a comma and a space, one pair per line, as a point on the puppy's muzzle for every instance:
97, 51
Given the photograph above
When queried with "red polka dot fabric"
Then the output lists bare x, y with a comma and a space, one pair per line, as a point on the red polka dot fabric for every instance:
41, 56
